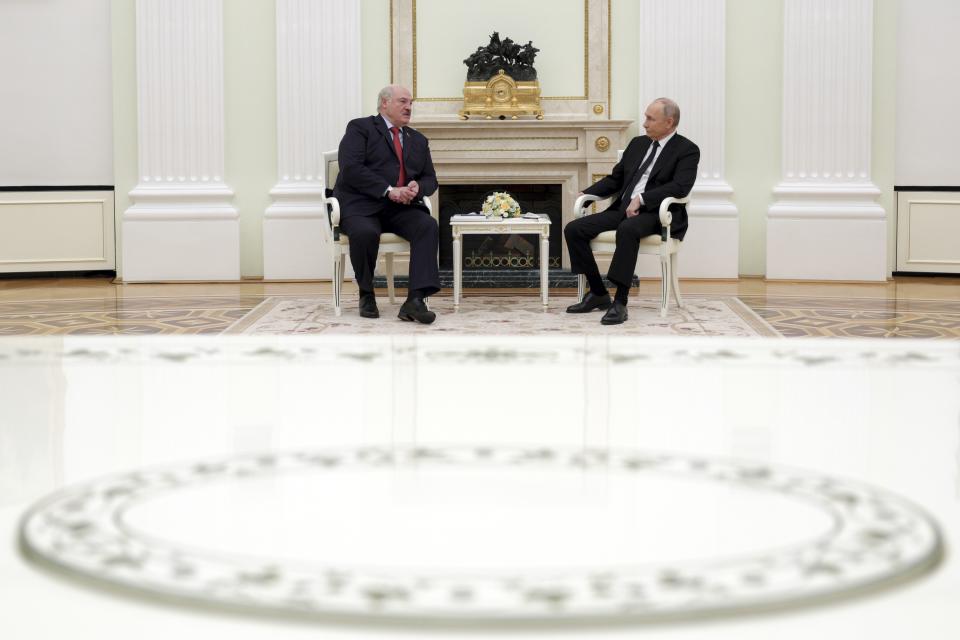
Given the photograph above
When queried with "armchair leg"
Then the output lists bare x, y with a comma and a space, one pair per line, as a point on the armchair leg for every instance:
337, 283
388, 267
664, 285
581, 286
676, 280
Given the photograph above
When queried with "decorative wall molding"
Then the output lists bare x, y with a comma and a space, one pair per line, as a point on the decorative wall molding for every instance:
595, 40
825, 222
682, 56
928, 225
318, 92
182, 225
500, 153
84, 240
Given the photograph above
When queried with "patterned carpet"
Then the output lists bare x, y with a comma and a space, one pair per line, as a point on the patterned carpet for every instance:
789, 316
506, 315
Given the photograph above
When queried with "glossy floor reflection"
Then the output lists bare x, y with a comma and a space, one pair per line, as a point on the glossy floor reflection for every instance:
883, 413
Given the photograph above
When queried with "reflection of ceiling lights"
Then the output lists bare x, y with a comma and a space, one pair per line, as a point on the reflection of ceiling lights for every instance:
871, 537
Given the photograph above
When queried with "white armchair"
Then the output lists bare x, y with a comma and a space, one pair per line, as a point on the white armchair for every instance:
662, 245
339, 243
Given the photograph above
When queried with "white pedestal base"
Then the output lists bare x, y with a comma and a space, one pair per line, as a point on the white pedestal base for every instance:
820, 242
293, 245
180, 249
711, 248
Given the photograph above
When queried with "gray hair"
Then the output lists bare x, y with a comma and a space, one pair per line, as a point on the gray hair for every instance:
670, 110
385, 94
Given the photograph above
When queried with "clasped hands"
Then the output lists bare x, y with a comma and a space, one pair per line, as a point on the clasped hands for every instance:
404, 195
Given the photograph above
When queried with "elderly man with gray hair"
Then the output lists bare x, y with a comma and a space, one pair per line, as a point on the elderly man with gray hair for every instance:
385, 173
658, 165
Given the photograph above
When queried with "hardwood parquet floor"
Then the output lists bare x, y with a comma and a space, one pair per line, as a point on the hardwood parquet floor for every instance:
804, 316
927, 308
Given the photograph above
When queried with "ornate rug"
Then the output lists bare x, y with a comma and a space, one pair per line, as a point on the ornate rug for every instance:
510, 315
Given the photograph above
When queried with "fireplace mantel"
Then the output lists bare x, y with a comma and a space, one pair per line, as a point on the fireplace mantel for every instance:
571, 153
506, 141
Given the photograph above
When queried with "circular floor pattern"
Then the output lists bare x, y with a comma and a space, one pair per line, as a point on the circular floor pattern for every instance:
861, 537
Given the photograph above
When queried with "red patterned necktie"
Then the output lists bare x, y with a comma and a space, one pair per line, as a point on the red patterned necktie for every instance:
402, 180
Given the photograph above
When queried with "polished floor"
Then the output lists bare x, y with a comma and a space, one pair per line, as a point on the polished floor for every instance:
925, 308
357, 487
160, 478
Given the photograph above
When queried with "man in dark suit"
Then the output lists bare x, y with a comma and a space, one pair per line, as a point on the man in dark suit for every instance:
385, 172
659, 165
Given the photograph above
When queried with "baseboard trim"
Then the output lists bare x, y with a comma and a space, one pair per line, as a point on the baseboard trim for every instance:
926, 274
39, 188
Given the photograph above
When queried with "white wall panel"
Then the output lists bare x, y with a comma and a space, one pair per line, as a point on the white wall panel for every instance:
56, 231
55, 93
928, 93
928, 232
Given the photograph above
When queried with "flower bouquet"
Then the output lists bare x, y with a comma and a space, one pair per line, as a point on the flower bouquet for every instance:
500, 203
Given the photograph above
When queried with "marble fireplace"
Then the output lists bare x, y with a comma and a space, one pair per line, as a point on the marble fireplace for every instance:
562, 156
500, 251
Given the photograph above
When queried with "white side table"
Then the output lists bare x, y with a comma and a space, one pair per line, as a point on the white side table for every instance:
462, 225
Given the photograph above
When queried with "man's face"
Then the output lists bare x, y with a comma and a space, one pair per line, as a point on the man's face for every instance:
398, 108
655, 123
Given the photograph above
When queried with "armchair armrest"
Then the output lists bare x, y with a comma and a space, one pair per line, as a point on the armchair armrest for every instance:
580, 206
334, 211
331, 207
666, 217
332, 230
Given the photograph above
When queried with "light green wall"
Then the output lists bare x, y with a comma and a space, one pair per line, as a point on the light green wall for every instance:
624, 62
123, 32
374, 51
442, 43
250, 119
753, 105
885, 115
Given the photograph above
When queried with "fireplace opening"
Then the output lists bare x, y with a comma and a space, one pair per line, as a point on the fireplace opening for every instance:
501, 251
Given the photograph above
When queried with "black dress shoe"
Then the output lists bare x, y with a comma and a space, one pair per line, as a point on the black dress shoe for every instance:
415, 309
616, 314
368, 306
590, 302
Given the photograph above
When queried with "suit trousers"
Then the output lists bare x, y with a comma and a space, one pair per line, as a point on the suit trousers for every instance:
414, 225
581, 231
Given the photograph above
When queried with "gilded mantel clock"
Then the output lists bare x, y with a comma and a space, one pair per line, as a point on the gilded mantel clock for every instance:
501, 81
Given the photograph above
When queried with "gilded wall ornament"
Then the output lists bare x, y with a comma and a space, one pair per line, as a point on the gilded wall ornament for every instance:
501, 81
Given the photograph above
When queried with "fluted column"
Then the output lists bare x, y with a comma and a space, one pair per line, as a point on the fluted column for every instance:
318, 91
182, 225
825, 222
682, 56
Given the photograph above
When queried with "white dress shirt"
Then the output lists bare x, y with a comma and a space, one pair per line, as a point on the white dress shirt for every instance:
390, 125
642, 184
400, 135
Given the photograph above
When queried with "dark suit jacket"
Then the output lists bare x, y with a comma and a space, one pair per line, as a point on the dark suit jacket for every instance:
368, 165
672, 176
